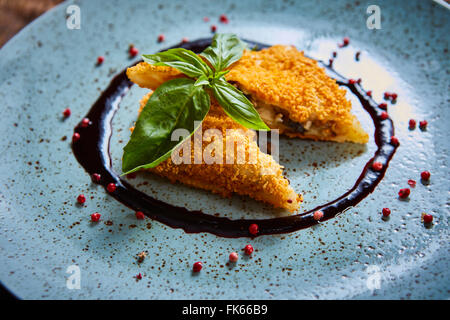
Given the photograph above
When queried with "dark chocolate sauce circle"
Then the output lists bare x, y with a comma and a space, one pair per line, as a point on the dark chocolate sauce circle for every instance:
92, 152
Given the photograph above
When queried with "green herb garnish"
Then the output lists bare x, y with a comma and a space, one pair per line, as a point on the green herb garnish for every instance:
183, 103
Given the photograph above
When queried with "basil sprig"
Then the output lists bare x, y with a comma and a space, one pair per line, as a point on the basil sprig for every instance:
183, 103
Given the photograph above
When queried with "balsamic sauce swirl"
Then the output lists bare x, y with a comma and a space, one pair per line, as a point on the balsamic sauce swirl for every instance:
92, 152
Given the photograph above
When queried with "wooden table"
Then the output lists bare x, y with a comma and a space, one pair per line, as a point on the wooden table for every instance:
15, 14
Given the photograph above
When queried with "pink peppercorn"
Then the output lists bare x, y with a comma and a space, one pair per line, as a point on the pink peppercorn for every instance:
383, 106
161, 38
387, 95
427, 218
412, 183
330, 62
76, 136
334, 54
96, 177
318, 215
223, 18
369, 93
404, 193
253, 229
213, 28
425, 175
233, 257
394, 141
377, 166
133, 51
100, 60
184, 40
67, 113
81, 199
394, 96
357, 55
386, 212
346, 41
423, 124
248, 249
351, 81
85, 123
139, 276
111, 187
140, 215
197, 266
95, 217
384, 115
412, 123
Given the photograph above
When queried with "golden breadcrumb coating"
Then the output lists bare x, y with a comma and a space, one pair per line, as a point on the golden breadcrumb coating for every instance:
281, 77
261, 179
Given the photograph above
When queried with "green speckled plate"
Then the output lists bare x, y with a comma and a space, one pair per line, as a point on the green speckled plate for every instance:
47, 241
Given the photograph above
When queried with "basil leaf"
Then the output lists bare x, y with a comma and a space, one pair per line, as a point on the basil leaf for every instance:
225, 49
202, 80
237, 106
181, 59
175, 104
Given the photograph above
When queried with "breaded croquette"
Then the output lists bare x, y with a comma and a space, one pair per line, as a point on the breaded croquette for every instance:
261, 179
290, 91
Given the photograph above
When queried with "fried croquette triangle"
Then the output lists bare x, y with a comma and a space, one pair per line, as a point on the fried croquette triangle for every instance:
259, 176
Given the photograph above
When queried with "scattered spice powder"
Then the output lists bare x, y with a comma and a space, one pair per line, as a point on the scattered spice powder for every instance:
141, 256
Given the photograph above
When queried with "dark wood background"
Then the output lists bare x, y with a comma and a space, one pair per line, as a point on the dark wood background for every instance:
15, 14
